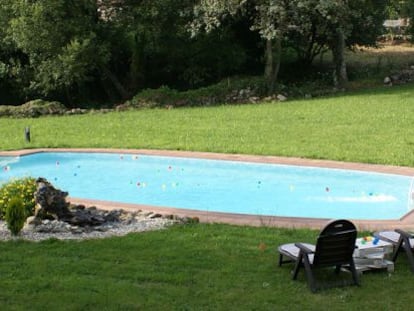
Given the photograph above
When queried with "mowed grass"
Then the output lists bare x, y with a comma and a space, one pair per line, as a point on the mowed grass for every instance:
209, 267
194, 267
373, 126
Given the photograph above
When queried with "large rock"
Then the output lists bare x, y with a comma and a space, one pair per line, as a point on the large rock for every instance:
50, 202
91, 216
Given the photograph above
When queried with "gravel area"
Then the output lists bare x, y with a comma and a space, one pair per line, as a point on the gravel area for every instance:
64, 231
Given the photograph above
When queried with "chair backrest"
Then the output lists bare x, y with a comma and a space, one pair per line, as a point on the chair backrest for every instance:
335, 244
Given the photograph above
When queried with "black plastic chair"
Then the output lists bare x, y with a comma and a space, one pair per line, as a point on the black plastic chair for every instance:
334, 248
402, 241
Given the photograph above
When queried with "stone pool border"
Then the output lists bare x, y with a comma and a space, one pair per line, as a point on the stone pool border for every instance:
406, 222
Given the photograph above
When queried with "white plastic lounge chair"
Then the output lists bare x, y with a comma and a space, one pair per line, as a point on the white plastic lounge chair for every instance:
401, 240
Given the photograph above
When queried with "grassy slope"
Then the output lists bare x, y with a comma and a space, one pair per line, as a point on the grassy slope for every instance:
372, 126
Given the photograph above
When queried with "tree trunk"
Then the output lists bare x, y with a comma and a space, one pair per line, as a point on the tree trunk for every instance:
116, 83
137, 66
338, 50
272, 62
68, 97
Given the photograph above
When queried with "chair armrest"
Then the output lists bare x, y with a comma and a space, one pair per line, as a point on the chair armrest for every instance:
303, 248
403, 233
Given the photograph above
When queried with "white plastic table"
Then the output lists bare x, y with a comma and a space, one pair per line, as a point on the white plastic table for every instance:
373, 254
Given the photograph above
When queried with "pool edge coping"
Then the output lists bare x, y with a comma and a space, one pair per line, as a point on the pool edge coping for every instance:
405, 222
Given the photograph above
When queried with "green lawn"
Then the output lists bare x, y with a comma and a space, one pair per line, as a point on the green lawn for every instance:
209, 267
373, 126
194, 267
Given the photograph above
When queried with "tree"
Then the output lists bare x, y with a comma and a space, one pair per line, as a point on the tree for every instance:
367, 19
312, 24
12, 61
338, 15
405, 10
60, 38
154, 49
58, 47
271, 19
316, 29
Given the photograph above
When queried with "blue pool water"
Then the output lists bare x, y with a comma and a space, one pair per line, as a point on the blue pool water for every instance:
223, 186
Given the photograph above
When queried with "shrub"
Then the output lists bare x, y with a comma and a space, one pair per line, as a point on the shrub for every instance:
235, 90
15, 215
32, 109
23, 188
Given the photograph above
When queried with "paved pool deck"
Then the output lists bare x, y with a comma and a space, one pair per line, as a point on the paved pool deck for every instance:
406, 222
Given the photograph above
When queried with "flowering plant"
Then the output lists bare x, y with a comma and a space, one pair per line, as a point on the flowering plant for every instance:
22, 188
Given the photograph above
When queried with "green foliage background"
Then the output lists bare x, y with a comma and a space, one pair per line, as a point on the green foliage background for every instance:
69, 51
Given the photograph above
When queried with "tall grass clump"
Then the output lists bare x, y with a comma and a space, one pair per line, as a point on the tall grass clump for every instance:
22, 188
15, 215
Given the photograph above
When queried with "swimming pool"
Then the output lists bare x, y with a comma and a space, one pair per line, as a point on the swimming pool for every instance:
220, 186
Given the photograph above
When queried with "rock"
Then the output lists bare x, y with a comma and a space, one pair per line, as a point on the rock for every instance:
50, 202
155, 216
387, 81
51, 226
76, 230
395, 77
39, 107
122, 107
401, 77
81, 216
281, 97
75, 111
32, 220
268, 98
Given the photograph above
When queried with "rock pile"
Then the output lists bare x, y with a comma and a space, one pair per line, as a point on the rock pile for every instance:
56, 218
126, 223
404, 76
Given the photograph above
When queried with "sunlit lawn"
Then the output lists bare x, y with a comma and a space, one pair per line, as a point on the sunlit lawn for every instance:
373, 126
